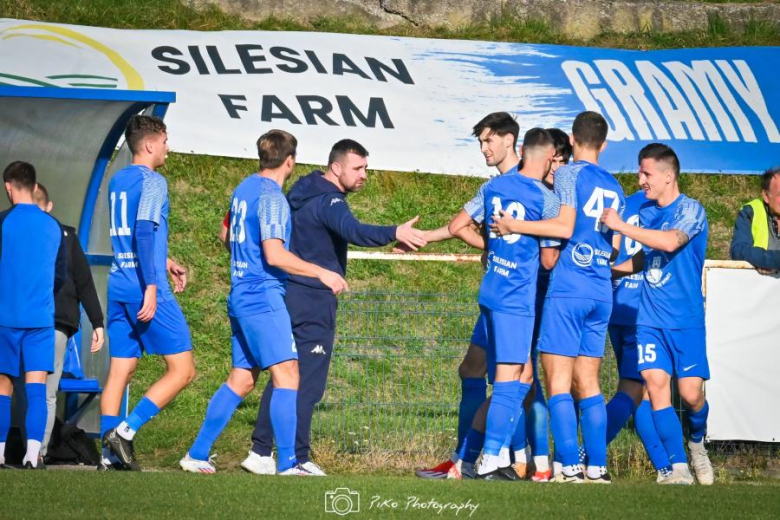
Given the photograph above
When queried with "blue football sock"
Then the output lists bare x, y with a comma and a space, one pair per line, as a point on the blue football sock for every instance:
5, 417
37, 411
472, 446
564, 428
218, 414
108, 423
645, 428
284, 420
697, 423
518, 438
619, 409
143, 412
500, 416
473, 394
537, 424
670, 431
594, 429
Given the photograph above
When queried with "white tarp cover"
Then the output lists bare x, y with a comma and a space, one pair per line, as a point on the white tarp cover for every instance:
743, 345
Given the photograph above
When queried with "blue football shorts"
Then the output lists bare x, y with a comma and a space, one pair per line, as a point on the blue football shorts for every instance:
623, 338
34, 347
574, 327
479, 337
165, 334
678, 352
509, 339
262, 340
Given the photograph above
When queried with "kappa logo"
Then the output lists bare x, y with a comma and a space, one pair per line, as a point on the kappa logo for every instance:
335, 200
70, 59
318, 349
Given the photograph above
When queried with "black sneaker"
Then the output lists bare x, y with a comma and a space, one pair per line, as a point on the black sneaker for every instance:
577, 478
509, 473
122, 449
496, 474
6, 466
107, 465
28, 465
603, 478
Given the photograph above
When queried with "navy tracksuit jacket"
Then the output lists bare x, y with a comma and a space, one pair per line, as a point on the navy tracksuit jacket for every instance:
323, 227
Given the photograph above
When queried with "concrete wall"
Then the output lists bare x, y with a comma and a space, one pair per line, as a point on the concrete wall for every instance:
576, 18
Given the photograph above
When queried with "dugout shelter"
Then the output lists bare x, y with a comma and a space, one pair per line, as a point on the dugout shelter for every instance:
71, 135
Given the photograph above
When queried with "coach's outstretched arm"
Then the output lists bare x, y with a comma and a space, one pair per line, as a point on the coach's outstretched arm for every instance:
339, 219
277, 256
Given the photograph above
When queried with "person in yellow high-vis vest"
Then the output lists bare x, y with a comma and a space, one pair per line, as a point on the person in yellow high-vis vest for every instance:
756, 237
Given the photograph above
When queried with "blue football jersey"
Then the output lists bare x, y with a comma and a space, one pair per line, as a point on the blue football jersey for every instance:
137, 193
509, 284
476, 206
583, 270
259, 211
626, 290
32, 251
671, 295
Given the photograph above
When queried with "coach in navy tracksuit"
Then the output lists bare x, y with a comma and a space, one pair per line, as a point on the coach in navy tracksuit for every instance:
323, 226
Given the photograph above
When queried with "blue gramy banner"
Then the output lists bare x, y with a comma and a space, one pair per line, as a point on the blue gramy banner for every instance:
718, 108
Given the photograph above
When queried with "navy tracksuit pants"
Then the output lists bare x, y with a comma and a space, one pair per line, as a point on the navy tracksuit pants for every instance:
313, 317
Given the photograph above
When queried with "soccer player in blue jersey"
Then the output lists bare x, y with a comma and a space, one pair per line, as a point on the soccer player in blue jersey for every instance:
497, 135
33, 266
143, 315
534, 430
260, 229
508, 293
631, 397
671, 338
579, 299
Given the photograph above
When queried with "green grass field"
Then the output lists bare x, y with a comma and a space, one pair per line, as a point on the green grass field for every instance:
82, 494
200, 188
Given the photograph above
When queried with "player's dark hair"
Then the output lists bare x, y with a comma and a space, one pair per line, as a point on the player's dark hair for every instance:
661, 153
141, 127
344, 147
41, 194
537, 138
21, 175
589, 130
499, 123
274, 147
561, 143
766, 178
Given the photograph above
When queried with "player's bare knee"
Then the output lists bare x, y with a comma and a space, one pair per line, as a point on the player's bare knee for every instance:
692, 398
241, 382
6, 385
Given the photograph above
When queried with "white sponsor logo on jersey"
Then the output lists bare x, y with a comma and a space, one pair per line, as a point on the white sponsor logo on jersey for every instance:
582, 254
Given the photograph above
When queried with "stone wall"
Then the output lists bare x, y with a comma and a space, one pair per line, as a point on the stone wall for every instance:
576, 18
